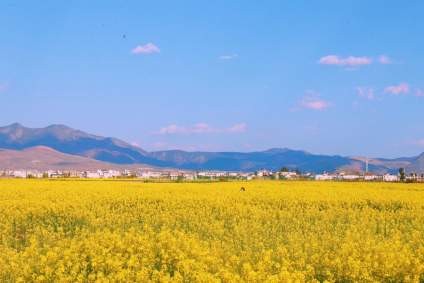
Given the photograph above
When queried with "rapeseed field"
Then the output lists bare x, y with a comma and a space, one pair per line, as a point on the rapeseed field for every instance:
122, 231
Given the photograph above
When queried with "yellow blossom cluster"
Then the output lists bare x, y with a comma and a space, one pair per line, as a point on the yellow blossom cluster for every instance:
129, 231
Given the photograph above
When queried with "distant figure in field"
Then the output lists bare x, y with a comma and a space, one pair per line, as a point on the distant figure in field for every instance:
242, 189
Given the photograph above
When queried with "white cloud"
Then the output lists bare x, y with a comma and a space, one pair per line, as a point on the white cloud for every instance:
385, 60
350, 61
201, 128
315, 104
228, 57
171, 129
402, 88
312, 101
365, 92
238, 128
148, 48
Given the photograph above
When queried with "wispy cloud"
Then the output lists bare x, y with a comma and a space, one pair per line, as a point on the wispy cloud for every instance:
237, 128
365, 92
315, 104
214, 147
3, 87
160, 145
419, 92
350, 61
228, 57
312, 101
402, 88
201, 128
385, 60
148, 48
419, 142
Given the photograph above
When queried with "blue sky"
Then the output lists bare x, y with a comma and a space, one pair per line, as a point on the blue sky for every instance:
333, 77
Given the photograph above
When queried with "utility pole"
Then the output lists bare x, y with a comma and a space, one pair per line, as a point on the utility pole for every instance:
366, 165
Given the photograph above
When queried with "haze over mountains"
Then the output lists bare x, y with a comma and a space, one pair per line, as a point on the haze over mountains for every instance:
62, 147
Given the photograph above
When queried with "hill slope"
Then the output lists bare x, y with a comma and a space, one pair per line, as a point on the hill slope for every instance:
44, 158
71, 141
417, 165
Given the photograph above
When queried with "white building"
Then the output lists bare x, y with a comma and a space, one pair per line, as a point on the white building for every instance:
350, 177
190, 176
19, 174
174, 175
370, 177
92, 175
263, 173
390, 178
288, 175
210, 174
110, 173
324, 177
150, 175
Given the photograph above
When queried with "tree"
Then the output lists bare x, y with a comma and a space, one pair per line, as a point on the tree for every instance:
284, 169
402, 174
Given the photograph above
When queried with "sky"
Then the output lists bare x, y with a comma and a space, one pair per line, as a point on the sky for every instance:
329, 77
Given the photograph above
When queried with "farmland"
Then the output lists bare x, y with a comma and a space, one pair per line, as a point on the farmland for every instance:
109, 231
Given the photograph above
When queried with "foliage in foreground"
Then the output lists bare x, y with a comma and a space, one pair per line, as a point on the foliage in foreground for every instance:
79, 231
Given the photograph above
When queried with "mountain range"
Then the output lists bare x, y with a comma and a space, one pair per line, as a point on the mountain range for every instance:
44, 158
60, 146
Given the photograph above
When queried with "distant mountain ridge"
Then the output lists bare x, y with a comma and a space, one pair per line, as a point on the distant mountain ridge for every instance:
417, 165
70, 141
44, 158
239, 161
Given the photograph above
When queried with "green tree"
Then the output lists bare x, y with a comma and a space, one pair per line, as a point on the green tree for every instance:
402, 174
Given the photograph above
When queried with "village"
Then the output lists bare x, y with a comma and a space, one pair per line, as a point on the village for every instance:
180, 175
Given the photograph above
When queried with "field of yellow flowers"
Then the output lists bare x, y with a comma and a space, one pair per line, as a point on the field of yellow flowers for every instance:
123, 231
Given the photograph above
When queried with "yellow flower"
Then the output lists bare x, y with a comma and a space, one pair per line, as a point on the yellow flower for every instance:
103, 231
